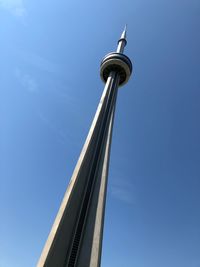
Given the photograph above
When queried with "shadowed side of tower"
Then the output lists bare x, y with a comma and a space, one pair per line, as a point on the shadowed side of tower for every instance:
75, 239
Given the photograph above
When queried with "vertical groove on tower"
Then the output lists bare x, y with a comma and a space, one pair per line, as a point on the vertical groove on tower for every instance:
112, 91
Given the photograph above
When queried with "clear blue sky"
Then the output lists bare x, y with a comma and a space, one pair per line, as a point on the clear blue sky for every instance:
49, 91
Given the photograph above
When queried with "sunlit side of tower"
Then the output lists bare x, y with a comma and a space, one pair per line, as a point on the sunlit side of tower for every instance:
76, 236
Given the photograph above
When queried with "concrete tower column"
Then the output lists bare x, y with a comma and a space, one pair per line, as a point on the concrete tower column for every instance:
76, 236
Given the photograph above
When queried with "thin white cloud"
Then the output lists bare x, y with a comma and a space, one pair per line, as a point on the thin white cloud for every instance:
63, 137
38, 61
26, 81
16, 7
123, 190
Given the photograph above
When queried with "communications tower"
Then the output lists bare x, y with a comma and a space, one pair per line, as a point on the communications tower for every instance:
75, 239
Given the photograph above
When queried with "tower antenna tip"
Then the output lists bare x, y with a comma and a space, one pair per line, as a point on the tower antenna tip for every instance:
125, 28
123, 36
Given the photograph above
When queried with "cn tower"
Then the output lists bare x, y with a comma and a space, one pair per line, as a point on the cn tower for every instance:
75, 239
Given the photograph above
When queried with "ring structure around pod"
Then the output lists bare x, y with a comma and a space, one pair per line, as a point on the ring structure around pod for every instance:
116, 62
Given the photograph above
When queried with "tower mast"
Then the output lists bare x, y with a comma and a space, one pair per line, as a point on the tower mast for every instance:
76, 236
122, 41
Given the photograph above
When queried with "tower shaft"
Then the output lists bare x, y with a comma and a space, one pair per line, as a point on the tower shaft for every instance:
75, 239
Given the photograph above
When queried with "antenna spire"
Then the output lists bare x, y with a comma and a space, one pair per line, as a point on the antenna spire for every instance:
122, 41
123, 36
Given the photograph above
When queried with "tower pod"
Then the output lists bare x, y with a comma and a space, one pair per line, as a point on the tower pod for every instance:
116, 62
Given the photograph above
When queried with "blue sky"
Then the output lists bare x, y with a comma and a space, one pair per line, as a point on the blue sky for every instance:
49, 91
